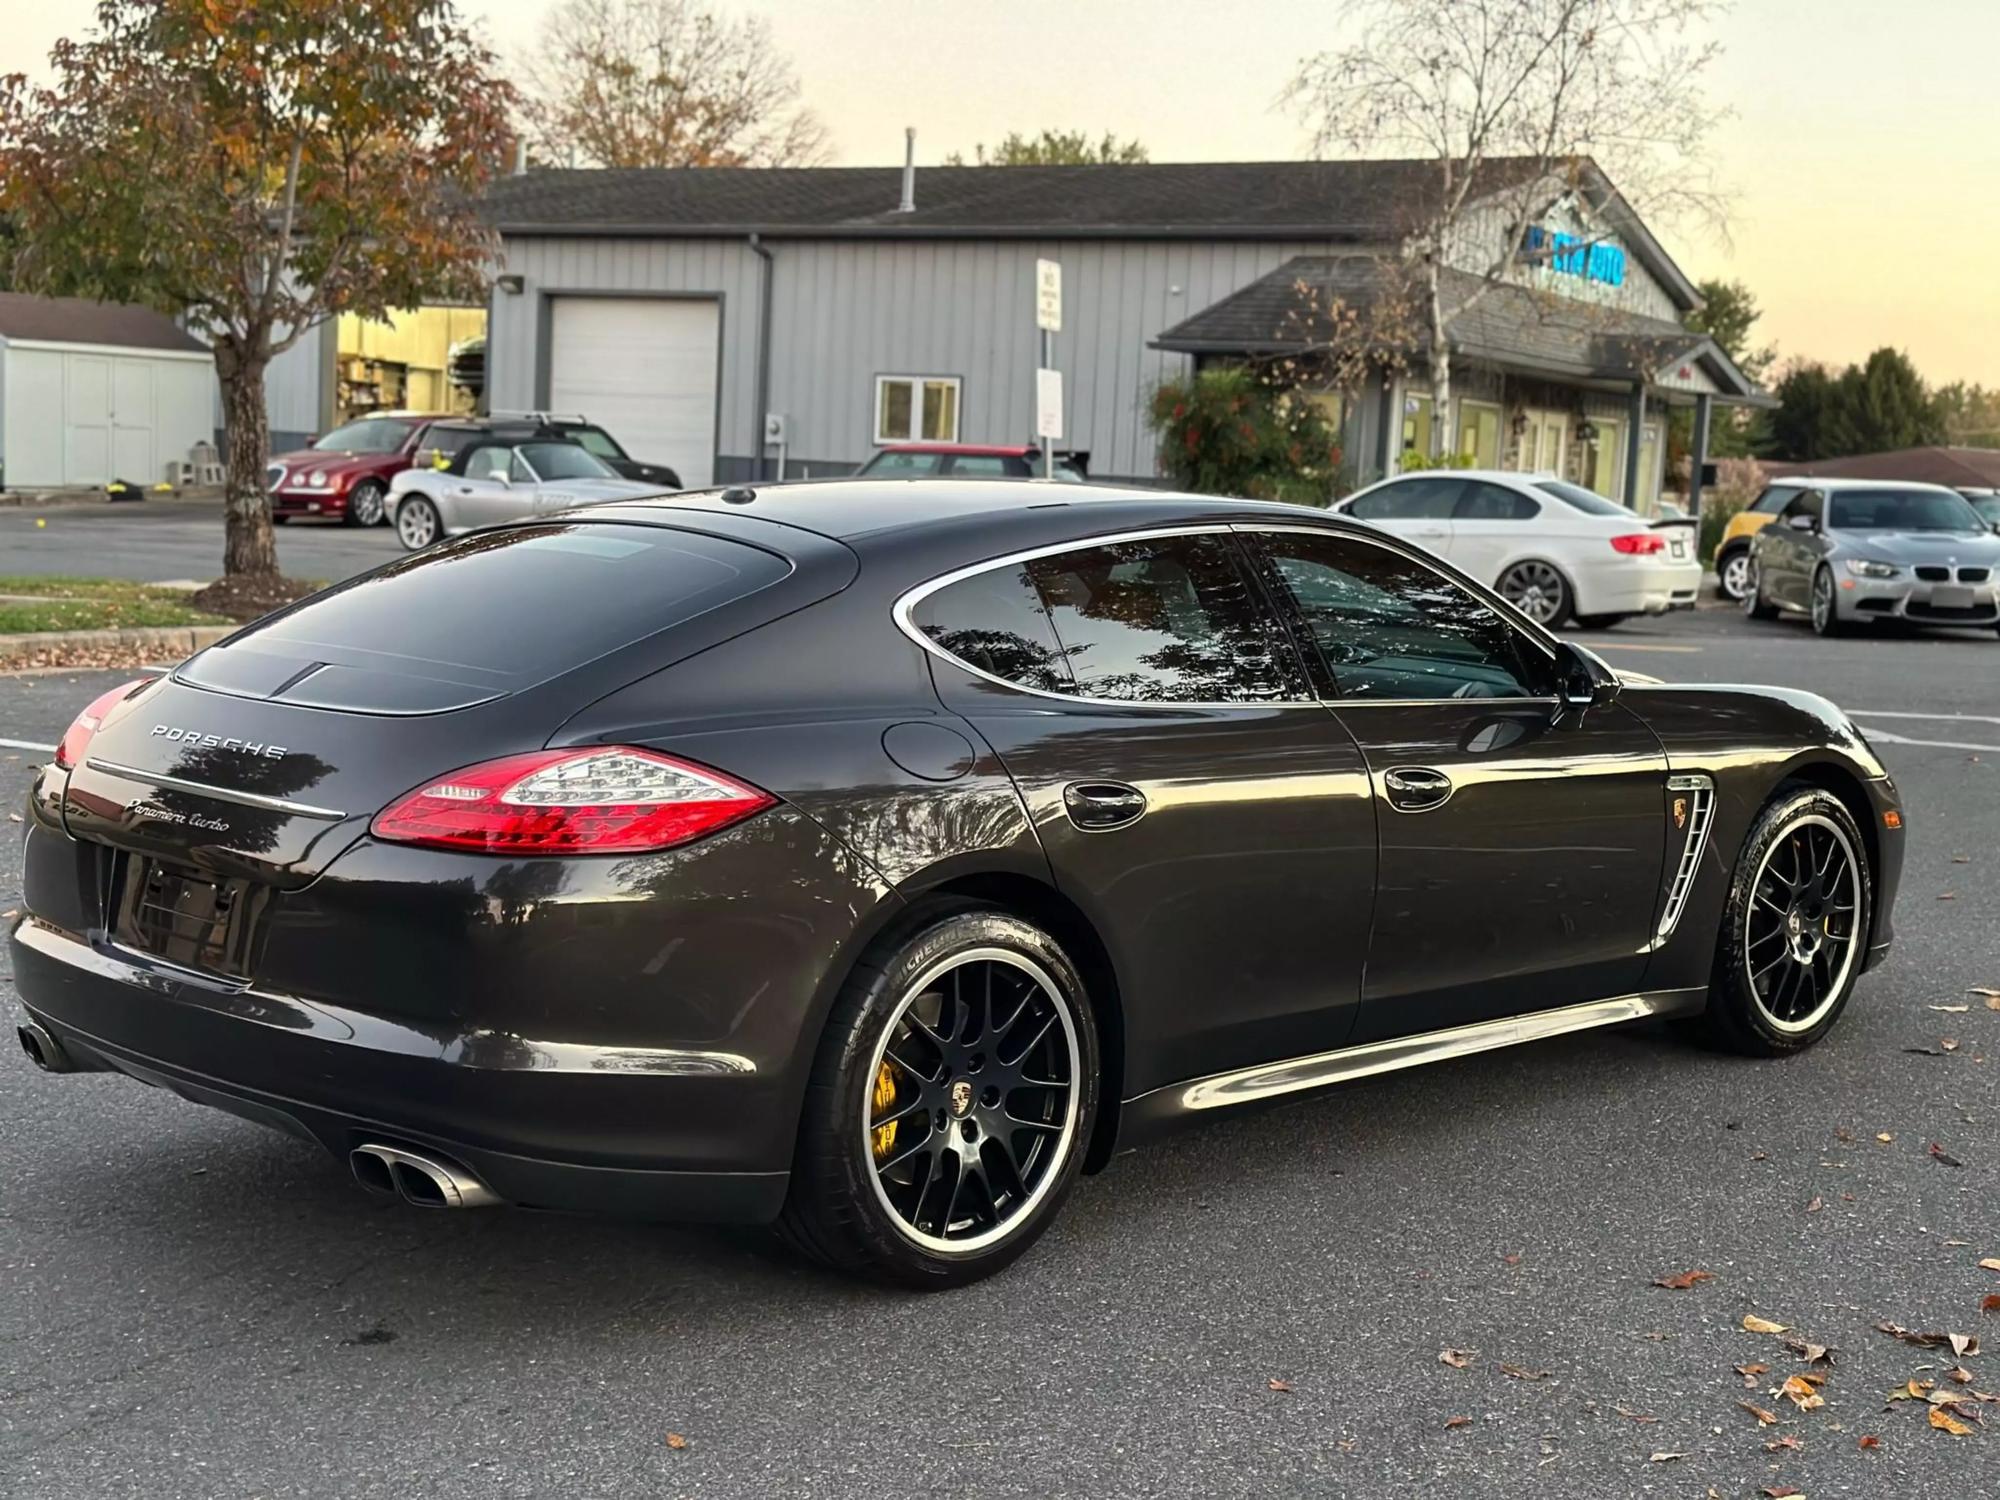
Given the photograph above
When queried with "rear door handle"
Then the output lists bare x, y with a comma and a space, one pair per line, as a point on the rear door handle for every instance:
1416, 788
1100, 806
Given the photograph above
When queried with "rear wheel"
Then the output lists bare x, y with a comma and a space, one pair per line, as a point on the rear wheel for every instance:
1732, 574
417, 523
1537, 590
950, 1104
278, 520
364, 504
1795, 930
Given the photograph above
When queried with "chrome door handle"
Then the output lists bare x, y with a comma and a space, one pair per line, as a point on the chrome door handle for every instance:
1416, 788
1100, 806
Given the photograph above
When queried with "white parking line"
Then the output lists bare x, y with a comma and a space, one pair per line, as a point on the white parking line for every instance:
26, 745
1887, 713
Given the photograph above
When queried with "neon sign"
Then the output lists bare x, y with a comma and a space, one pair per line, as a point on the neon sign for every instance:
1572, 255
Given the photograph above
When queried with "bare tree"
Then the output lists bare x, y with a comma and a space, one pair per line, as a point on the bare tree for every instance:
1054, 148
1520, 103
664, 83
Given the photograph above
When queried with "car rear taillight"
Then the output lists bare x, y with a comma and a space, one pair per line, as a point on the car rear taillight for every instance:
1639, 543
76, 738
598, 800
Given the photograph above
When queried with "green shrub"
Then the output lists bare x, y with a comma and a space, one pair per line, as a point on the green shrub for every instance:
1413, 462
1226, 432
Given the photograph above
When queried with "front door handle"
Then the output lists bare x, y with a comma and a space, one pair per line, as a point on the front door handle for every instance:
1416, 788
1100, 806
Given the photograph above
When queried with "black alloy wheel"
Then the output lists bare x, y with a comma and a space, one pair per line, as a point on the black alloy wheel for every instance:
364, 504
950, 1106
1795, 930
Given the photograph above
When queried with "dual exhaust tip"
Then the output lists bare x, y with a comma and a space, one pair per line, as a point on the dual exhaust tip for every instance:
43, 1050
423, 1181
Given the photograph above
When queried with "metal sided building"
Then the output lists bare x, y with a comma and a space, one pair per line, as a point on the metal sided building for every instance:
856, 307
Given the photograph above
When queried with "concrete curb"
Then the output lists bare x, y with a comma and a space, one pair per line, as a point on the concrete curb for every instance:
169, 641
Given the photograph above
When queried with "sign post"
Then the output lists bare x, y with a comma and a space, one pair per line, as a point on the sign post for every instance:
1048, 379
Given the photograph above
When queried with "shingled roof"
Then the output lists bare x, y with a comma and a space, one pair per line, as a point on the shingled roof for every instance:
1335, 200
1290, 310
77, 320
1960, 468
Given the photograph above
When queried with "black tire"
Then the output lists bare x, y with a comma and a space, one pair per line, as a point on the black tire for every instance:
1763, 1000
364, 504
1825, 614
1727, 571
278, 520
1539, 590
1600, 622
844, 1208
1753, 600
418, 524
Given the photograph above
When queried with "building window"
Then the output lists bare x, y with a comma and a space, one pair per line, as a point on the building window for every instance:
1416, 424
916, 408
1479, 434
1603, 454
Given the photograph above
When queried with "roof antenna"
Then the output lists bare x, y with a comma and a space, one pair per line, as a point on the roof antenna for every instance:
909, 203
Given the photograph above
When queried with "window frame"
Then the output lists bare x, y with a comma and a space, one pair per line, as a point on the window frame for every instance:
1510, 619
916, 383
1309, 669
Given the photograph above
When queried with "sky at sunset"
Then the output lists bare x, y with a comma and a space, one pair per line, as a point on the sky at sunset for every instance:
1863, 149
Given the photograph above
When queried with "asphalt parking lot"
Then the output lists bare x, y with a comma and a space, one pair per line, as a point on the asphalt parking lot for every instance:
200, 1307
160, 541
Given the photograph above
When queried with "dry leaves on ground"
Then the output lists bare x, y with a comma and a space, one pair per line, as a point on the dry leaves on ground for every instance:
1756, 1324
1458, 1359
1684, 1280
1276, 1384
1782, 1492
1451, 1422
1944, 1421
1798, 1389
1868, 1440
1638, 1417
1663, 1458
1943, 1157
1950, 1010
1764, 1418
1811, 1353
676, 1441
1884, 1137
1522, 1372
1750, 1374
1961, 1343
1789, 1443
1990, 1303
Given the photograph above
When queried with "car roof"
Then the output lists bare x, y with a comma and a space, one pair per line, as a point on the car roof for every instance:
1832, 485
850, 509
980, 450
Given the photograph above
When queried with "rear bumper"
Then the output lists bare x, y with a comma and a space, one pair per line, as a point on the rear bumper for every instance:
1644, 588
542, 1128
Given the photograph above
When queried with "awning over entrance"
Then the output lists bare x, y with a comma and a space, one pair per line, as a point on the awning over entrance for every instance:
1306, 304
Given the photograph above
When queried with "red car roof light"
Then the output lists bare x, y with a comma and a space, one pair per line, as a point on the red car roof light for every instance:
605, 799
76, 739
1639, 543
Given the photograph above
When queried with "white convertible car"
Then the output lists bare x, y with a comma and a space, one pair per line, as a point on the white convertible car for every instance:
497, 478
1554, 550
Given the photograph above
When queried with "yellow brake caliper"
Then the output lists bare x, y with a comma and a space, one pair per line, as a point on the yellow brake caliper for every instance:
884, 1136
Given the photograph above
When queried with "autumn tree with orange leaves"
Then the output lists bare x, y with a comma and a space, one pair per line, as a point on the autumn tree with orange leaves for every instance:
253, 170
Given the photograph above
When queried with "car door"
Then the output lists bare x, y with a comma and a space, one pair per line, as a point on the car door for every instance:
484, 492
1789, 549
1191, 794
1490, 524
1416, 508
1521, 836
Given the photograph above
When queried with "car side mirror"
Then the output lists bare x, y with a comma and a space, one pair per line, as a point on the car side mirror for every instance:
1587, 679
1802, 522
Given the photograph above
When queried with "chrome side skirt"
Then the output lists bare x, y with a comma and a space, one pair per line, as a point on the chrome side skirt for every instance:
1269, 1080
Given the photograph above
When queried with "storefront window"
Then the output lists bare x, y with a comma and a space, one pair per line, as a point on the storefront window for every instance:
1416, 424
1479, 434
1648, 498
1603, 444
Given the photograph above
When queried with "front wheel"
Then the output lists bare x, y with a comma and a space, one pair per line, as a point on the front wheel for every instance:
417, 523
1754, 604
364, 504
950, 1105
1826, 605
1795, 930
1538, 591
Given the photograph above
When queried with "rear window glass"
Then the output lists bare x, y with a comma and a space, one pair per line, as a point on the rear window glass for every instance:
507, 609
1575, 495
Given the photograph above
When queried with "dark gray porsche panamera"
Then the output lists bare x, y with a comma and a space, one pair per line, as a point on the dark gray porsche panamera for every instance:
873, 858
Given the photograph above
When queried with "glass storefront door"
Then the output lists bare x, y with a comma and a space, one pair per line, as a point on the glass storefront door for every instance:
1544, 444
1603, 458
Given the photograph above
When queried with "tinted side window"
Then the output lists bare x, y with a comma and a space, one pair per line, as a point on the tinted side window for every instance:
1388, 627
995, 621
1425, 499
1773, 500
1164, 621
979, 466
1805, 503
1489, 502
901, 465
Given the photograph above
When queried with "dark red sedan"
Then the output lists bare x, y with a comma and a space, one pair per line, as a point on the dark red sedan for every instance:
345, 475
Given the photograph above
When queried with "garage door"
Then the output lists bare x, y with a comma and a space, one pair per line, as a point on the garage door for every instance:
644, 369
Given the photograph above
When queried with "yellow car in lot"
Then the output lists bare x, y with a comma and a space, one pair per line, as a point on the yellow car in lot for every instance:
1732, 553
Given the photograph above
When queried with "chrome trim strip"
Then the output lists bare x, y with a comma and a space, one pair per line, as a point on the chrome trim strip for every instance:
481, 1048
1269, 1080
220, 793
1701, 816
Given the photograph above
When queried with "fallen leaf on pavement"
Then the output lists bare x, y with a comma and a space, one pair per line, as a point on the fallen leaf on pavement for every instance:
1869, 1440
1925, 1051
1950, 1044
1944, 1157
1884, 1137
1990, 1303
1513, 1259
1764, 1418
1812, 1354
1962, 1375
1782, 1492
1991, 1263
1911, 1390
1451, 1422
1947, 895
1950, 1010
1750, 1374
1761, 1325
1276, 1384
1522, 1372
1944, 1421
1634, 1416
1684, 1280
1789, 1443
675, 1440
1798, 1390
1663, 1458
1961, 1343
1458, 1359
1815, 1205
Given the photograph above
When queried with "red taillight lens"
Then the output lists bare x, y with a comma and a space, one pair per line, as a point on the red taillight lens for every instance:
77, 737
603, 800
1639, 543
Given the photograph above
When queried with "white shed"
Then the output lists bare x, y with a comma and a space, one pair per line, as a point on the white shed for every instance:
95, 391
